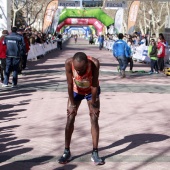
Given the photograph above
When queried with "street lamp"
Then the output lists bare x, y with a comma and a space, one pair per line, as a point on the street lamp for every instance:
150, 25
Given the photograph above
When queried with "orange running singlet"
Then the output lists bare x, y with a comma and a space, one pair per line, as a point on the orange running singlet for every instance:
82, 84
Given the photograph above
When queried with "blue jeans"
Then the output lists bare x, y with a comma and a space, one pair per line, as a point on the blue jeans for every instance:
100, 45
122, 62
12, 64
154, 65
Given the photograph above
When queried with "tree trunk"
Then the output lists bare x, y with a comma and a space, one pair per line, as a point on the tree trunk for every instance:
14, 18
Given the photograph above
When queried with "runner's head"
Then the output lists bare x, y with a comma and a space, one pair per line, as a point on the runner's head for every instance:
80, 63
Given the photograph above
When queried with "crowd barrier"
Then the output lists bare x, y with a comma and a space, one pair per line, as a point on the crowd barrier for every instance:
140, 52
42, 49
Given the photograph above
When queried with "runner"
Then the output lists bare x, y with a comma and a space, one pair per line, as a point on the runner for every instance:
82, 74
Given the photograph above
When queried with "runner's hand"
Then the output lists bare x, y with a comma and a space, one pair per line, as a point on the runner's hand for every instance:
71, 110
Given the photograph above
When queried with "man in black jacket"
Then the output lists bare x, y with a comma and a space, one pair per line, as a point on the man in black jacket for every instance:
15, 47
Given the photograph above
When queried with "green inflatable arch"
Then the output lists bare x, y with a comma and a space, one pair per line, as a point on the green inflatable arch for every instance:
86, 13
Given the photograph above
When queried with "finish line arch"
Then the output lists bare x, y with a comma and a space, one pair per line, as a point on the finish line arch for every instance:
86, 13
83, 22
85, 29
53, 10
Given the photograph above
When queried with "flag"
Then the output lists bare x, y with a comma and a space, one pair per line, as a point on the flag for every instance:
49, 15
133, 12
119, 20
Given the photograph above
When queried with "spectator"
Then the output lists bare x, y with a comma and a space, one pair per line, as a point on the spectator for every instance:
101, 41
59, 41
3, 54
129, 55
120, 52
15, 45
152, 50
162, 38
91, 39
161, 53
22, 52
27, 48
75, 38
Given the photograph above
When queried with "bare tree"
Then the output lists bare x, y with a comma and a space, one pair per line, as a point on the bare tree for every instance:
30, 10
17, 6
152, 16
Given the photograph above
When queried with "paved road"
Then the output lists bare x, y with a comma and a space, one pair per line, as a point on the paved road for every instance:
134, 120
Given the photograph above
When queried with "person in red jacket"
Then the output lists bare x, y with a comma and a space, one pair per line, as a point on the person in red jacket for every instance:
3, 54
161, 54
27, 46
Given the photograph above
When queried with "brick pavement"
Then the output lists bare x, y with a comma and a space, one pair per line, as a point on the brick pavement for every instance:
134, 120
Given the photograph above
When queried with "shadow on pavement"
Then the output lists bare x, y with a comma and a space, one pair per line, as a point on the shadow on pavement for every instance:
66, 167
26, 164
135, 141
10, 145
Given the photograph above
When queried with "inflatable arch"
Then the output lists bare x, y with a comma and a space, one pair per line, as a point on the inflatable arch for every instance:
85, 16
52, 6
86, 13
84, 22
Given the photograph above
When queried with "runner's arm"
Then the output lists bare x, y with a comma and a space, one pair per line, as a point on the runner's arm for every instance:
69, 76
95, 79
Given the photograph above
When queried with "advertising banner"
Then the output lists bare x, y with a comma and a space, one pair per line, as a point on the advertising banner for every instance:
115, 4
49, 15
56, 19
119, 20
133, 12
64, 4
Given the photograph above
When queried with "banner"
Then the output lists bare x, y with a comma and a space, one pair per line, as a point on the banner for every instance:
133, 12
67, 4
56, 20
115, 4
119, 20
5, 15
49, 15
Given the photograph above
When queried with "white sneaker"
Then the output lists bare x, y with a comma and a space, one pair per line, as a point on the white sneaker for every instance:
4, 85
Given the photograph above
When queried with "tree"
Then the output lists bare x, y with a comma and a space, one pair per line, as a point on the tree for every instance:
152, 16
30, 9
146, 21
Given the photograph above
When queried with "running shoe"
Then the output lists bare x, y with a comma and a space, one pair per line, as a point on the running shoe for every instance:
150, 72
96, 159
118, 68
66, 157
4, 85
14, 86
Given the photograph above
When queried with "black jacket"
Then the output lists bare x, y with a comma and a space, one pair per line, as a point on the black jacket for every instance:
153, 53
